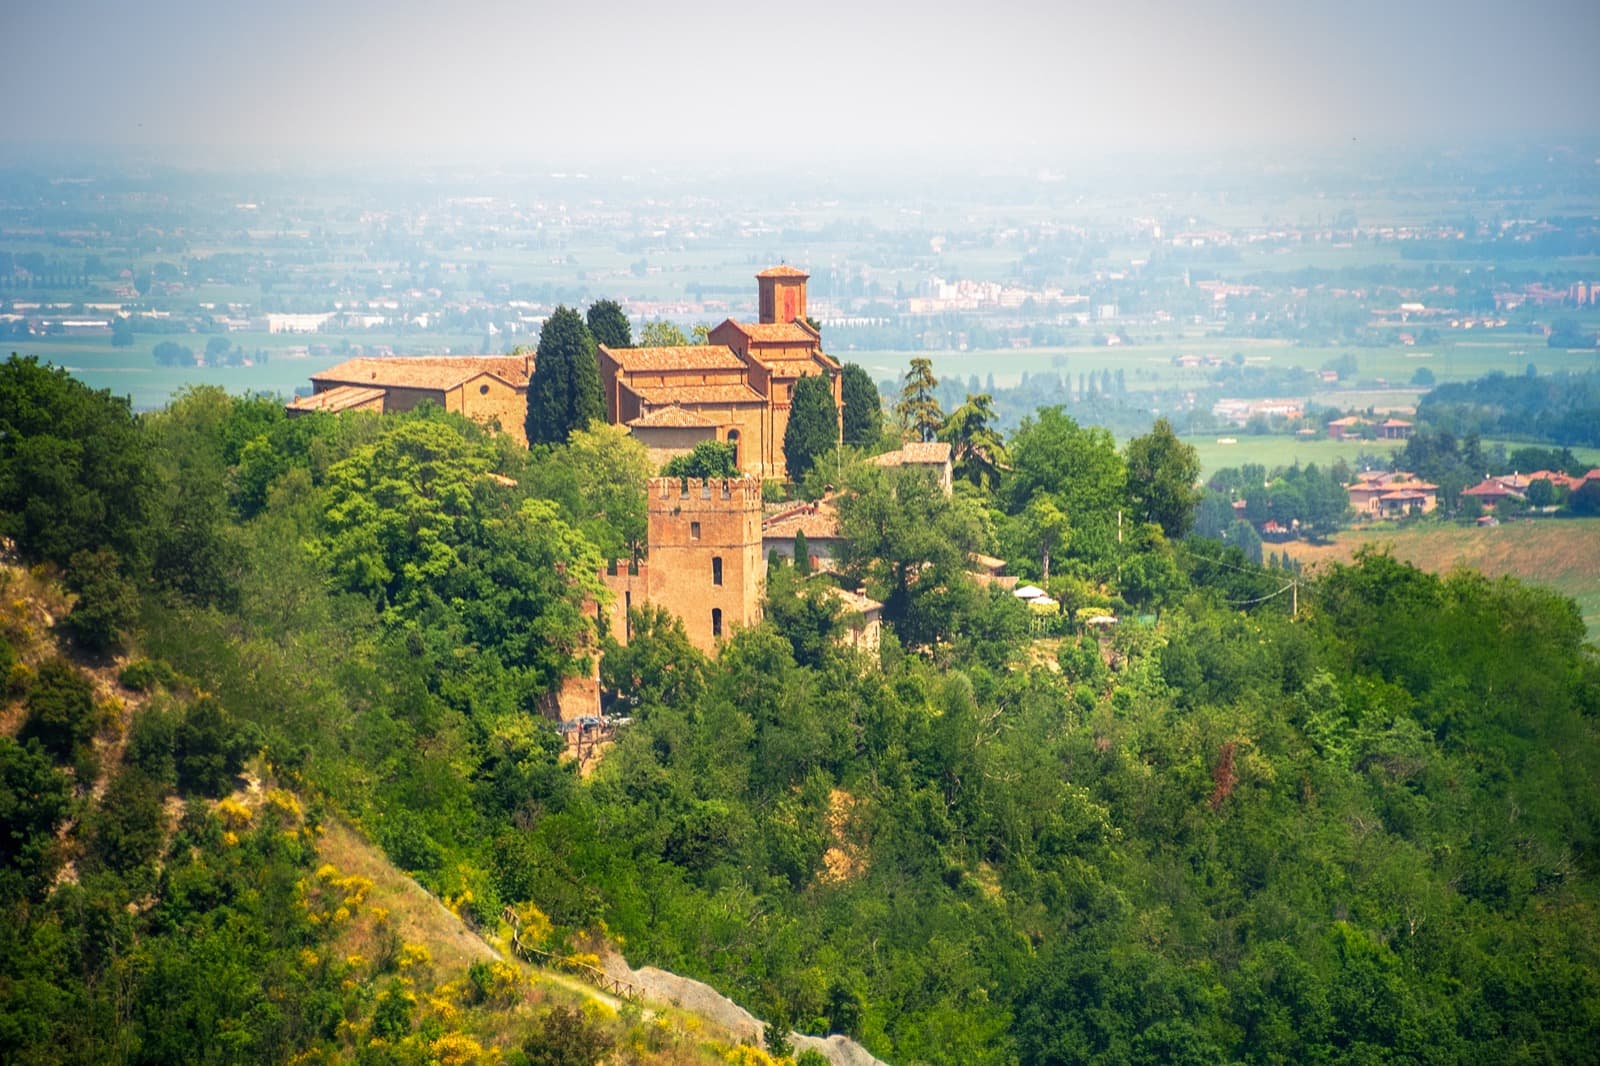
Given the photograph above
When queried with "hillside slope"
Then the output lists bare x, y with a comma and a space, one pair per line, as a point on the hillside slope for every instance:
1562, 554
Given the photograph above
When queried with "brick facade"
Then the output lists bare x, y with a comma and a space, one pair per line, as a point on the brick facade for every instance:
492, 390
741, 383
705, 563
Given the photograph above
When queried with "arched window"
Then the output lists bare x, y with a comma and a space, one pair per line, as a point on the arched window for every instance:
716, 621
716, 569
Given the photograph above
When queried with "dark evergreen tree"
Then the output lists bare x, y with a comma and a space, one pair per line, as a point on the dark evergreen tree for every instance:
608, 324
564, 391
813, 424
802, 553
918, 410
863, 408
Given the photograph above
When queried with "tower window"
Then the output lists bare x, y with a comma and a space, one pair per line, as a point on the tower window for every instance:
716, 621
716, 569
694, 530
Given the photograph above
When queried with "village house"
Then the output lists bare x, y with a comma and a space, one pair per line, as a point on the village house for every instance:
1397, 494
492, 390
818, 521
933, 456
1394, 429
1350, 427
1490, 492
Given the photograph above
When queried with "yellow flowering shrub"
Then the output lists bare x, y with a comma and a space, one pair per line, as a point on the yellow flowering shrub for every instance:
459, 1049
234, 815
414, 956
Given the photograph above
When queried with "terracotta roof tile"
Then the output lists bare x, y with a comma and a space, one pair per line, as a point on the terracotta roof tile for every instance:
664, 395
855, 601
776, 332
783, 270
683, 357
338, 398
917, 452
819, 521
425, 372
671, 417
987, 562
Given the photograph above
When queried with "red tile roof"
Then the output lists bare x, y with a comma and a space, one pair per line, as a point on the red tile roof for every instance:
664, 395
775, 332
682, 357
935, 452
819, 521
671, 417
855, 601
426, 372
783, 270
338, 398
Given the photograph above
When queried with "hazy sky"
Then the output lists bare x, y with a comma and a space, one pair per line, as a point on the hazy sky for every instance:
845, 80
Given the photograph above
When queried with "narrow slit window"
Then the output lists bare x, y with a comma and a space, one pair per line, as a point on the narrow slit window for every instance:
716, 621
716, 570
694, 530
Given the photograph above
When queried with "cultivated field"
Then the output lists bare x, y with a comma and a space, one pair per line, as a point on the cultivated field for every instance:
1563, 554
1277, 450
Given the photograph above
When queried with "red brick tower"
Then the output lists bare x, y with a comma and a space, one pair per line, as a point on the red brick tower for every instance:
783, 294
705, 554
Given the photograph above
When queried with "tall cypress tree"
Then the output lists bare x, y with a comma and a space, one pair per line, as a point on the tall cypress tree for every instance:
813, 424
863, 409
608, 324
802, 553
564, 392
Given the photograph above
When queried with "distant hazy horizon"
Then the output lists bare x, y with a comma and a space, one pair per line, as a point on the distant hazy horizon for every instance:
822, 84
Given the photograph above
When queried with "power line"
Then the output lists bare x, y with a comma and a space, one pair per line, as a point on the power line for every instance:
1261, 599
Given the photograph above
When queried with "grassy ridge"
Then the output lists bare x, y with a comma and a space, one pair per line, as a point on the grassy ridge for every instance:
1562, 554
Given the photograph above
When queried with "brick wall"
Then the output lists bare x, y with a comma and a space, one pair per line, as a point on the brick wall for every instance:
706, 565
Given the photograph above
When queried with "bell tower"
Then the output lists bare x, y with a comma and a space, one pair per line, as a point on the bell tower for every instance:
783, 294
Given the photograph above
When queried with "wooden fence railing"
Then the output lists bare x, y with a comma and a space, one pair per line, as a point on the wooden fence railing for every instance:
593, 974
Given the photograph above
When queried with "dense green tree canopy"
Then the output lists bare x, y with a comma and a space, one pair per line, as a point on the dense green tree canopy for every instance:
909, 543
1366, 832
1079, 471
663, 334
74, 469
709, 458
608, 324
564, 392
1163, 476
978, 452
813, 427
610, 469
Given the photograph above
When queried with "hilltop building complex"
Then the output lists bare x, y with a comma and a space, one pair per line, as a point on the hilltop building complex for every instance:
736, 388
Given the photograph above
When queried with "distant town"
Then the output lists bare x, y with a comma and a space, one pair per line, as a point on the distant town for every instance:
1252, 297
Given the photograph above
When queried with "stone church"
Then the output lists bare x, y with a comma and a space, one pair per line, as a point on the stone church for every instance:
737, 388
